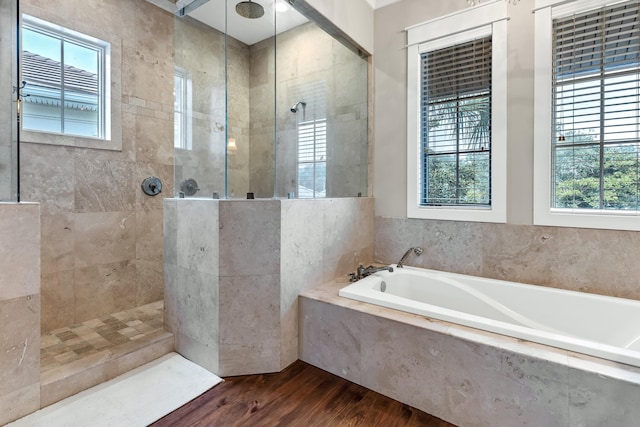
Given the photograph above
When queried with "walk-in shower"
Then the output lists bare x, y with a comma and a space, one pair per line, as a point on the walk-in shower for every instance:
238, 81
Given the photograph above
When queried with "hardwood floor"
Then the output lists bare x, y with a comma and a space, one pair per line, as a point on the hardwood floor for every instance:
301, 395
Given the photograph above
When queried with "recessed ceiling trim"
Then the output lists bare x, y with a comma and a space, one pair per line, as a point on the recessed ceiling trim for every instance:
187, 6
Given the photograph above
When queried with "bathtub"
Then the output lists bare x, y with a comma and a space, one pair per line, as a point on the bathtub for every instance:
600, 326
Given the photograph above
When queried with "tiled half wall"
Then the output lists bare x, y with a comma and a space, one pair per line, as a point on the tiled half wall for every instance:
19, 310
234, 269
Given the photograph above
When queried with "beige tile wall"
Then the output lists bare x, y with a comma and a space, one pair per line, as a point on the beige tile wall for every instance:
101, 236
19, 310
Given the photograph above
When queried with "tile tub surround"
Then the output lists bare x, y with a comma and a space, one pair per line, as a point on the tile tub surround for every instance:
576, 259
19, 310
462, 375
234, 269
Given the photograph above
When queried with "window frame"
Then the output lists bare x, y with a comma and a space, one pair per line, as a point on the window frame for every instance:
111, 138
543, 213
184, 109
318, 126
480, 21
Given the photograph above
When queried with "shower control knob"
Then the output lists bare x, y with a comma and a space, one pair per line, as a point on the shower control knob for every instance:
152, 186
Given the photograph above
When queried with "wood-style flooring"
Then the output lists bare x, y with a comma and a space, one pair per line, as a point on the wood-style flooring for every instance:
301, 395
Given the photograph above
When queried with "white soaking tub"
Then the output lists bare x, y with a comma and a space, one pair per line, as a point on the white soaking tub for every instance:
596, 325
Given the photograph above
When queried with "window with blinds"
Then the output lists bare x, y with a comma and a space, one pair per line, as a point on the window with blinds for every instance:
456, 125
180, 95
596, 104
312, 158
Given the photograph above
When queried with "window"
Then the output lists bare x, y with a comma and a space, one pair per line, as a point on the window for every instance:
67, 81
591, 144
311, 119
182, 110
456, 127
312, 158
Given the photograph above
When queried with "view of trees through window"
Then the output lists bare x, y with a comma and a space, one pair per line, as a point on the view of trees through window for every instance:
596, 110
456, 124
458, 157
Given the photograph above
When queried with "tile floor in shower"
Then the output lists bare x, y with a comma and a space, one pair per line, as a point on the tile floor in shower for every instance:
69, 344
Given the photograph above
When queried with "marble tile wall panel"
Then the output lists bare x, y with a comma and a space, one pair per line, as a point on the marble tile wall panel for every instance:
19, 403
403, 375
104, 237
348, 235
19, 356
19, 250
104, 185
47, 177
104, 289
250, 232
249, 316
148, 234
58, 307
192, 304
149, 280
331, 339
197, 235
191, 241
568, 258
301, 265
57, 246
170, 231
483, 382
596, 399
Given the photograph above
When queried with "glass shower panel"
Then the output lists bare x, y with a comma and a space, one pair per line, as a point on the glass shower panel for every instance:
251, 85
268, 102
8, 96
322, 114
200, 126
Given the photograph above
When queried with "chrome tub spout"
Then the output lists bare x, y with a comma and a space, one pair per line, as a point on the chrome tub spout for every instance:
417, 250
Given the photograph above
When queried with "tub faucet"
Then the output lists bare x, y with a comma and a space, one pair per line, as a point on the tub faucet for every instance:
417, 250
362, 272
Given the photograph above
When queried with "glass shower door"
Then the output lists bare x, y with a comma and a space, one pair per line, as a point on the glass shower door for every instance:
9, 88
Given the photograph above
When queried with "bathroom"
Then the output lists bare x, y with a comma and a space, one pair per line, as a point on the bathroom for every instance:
101, 247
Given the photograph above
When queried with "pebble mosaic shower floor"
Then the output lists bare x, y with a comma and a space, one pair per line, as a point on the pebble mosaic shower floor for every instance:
68, 344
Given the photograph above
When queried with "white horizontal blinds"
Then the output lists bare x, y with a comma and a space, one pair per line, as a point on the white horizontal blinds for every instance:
596, 109
179, 110
312, 141
456, 124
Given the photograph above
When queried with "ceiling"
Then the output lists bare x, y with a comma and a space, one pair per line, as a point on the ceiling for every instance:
251, 31
376, 4
248, 31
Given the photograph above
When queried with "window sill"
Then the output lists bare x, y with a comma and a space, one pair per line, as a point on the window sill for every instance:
449, 213
115, 144
580, 218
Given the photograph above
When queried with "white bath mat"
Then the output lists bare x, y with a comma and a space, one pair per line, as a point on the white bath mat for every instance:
136, 398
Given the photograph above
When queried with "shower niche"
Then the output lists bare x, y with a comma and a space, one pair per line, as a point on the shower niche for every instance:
268, 102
